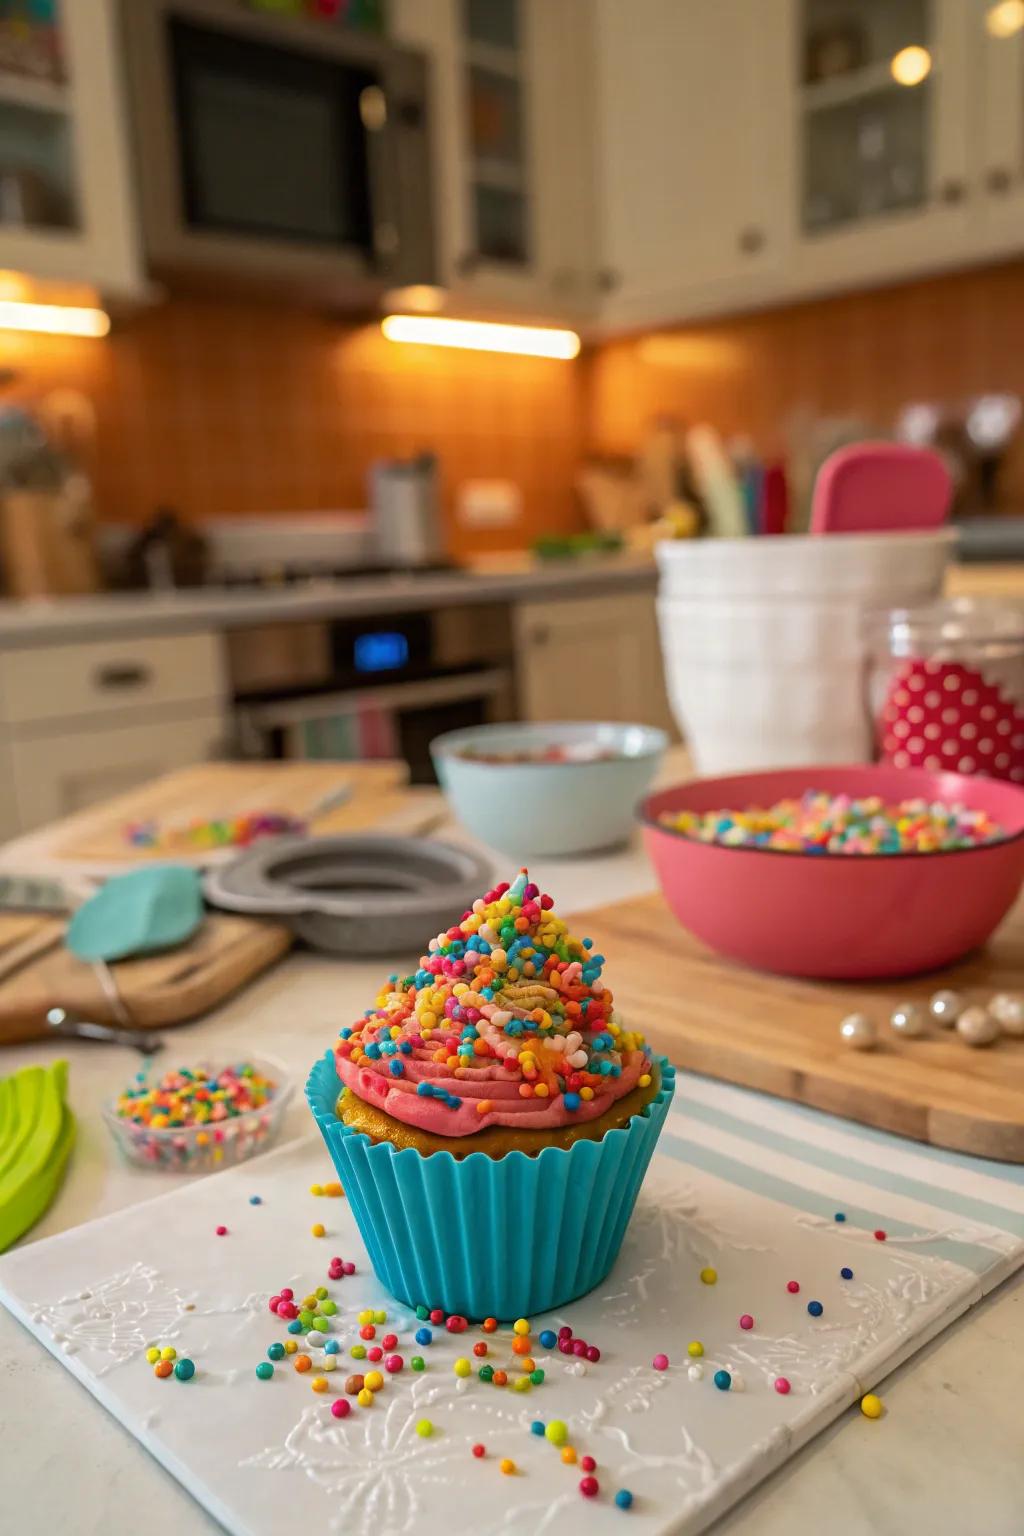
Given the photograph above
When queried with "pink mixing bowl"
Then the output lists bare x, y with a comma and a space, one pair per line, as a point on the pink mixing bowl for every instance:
850, 916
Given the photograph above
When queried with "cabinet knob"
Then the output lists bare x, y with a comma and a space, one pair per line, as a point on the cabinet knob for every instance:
751, 240
540, 634
952, 190
998, 181
608, 279
467, 263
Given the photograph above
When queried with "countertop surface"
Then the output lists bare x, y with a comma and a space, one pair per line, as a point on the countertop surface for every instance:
516, 578
63, 620
65, 1465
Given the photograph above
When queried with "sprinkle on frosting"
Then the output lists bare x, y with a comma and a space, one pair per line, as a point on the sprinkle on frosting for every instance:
507, 1021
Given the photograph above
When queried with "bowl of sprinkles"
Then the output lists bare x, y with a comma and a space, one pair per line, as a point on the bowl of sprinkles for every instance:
544, 790
491, 1117
199, 1118
840, 872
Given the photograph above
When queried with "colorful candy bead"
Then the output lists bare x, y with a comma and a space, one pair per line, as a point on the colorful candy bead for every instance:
820, 823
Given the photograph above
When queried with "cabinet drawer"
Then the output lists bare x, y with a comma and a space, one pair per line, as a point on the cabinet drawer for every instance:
106, 677
54, 776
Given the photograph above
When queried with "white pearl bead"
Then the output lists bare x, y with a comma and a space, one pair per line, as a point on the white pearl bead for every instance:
696, 1372
946, 1007
1008, 1009
328, 1363
977, 1026
858, 1032
907, 1020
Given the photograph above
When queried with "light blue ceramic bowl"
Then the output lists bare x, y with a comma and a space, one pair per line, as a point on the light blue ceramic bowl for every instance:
538, 809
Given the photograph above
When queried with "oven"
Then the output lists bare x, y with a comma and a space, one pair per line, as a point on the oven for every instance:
370, 687
284, 149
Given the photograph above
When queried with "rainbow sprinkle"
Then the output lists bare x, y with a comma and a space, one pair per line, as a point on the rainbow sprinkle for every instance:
821, 823
190, 1096
507, 985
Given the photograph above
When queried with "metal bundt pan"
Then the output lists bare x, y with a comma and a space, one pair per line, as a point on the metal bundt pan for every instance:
353, 895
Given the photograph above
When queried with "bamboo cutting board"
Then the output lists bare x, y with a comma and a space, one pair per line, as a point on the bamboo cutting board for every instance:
37, 972
781, 1036
366, 793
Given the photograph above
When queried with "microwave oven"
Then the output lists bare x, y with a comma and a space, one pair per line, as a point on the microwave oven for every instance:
281, 149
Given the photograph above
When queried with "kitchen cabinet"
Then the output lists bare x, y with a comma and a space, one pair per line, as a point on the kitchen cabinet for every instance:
692, 153
590, 658
741, 165
53, 776
66, 207
81, 722
512, 94
999, 166
884, 175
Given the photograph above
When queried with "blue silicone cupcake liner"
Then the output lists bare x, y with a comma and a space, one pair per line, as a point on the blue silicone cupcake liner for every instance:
481, 1236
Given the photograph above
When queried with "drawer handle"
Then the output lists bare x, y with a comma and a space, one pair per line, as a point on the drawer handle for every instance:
123, 675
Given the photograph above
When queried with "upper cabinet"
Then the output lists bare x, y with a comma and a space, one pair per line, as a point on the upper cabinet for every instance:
611, 163
512, 104
65, 199
756, 153
691, 112
883, 94
1000, 146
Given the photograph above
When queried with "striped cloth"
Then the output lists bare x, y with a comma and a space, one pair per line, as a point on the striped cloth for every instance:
961, 1209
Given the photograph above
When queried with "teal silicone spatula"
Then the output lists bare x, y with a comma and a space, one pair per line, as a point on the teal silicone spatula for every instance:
881, 488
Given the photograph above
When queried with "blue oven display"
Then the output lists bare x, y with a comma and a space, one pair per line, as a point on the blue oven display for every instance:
381, 651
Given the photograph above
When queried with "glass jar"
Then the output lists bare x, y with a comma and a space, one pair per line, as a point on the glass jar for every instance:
946, 687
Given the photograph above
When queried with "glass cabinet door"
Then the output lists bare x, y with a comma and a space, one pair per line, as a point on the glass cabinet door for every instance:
38, 178
866, 109
493, 56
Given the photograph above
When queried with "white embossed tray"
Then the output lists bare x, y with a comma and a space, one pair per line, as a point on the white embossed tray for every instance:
740, 1183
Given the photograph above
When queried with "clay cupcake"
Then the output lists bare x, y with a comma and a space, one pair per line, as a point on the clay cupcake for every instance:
491, 1117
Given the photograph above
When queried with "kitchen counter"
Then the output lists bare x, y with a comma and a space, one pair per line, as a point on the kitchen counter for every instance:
889, 1478
63, 620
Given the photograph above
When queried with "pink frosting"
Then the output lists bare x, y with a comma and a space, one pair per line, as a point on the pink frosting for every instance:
397, 1096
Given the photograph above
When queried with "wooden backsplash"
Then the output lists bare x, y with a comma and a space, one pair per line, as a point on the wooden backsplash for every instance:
217, 408
860, 355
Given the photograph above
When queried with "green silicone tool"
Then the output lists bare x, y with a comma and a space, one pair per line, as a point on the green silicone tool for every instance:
37, 1130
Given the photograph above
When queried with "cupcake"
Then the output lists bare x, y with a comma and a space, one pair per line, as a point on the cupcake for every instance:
491, 1117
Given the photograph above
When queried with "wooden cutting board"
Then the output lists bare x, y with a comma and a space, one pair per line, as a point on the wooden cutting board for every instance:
781, 1035
218, 791
37, 972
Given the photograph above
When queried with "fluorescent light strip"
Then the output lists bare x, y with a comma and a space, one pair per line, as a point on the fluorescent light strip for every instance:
53, 319
481, 336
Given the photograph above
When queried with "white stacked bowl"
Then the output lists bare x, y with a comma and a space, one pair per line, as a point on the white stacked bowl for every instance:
762, 640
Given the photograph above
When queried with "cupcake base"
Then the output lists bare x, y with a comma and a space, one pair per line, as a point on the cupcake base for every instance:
486, 1236
495, 1140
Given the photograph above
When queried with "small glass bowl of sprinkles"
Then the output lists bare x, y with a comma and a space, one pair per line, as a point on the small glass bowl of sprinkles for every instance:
199, 1118
817, 822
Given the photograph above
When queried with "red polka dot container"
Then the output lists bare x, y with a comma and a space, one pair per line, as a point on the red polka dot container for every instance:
947, 688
